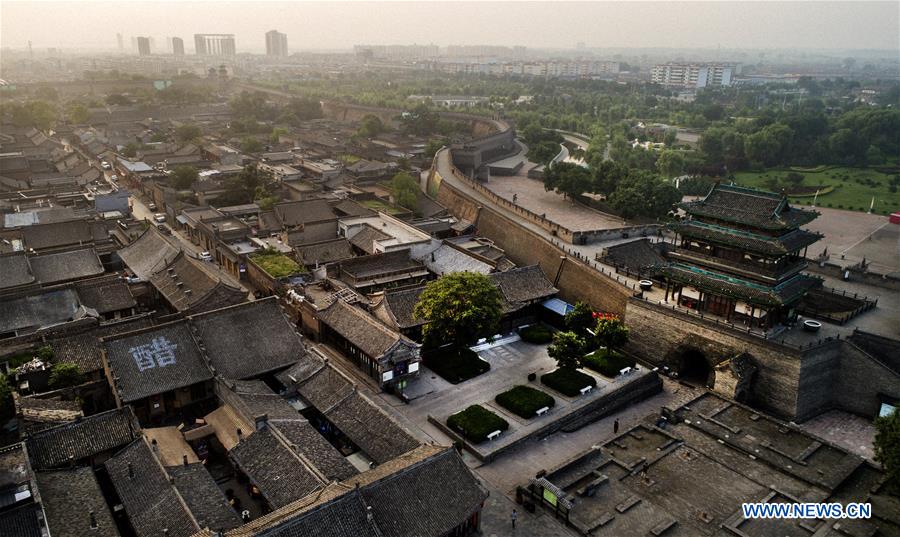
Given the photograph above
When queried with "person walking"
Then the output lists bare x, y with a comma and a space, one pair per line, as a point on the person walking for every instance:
616, 426
513, 517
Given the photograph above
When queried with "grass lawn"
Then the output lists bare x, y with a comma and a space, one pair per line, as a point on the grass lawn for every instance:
536, 333
853, 187
456, 365
277, 265
524, 401
378, 205
607, 363
476, 422
568, 381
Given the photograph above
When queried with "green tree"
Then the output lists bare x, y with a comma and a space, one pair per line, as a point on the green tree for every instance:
568, 179
117, 99
670, 164
406, 191
130, 150
77, 113
874, 156
251, 184
183, 177
887, 448
432, 147
543, 152
611, 333
643, 194
580, 318
371, 126
459, 308
250, 144
567, 349
188, 133
64, 375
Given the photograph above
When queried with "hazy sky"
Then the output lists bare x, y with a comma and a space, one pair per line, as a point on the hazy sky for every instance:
334, 25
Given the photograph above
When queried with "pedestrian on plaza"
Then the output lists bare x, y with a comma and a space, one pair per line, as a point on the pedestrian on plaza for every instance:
616, 426
513, 518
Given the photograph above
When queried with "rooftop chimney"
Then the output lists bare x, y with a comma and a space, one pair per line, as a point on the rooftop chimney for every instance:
94, 524
130, 471
184, 458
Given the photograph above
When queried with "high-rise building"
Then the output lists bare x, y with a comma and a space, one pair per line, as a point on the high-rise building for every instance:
276, 43
214, 44
178, 46
693, 75
143, 45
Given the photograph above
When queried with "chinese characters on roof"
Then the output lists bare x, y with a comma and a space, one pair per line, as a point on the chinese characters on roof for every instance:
160, 352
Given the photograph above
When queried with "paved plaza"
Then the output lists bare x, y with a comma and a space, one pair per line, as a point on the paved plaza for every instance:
531, 195
855, 236
849, 431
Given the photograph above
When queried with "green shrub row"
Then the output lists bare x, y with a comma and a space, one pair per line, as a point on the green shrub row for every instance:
476, 422
536, 333
607, 363
524, 401
568, 382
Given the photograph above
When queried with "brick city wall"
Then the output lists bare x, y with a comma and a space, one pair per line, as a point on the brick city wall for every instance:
858, 381
661, 336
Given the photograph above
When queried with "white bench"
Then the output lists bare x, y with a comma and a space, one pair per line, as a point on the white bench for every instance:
543, 410
586, 389
493, 435
625, 371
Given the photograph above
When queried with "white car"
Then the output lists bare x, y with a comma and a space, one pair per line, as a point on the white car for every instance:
204, 256
159, 217
105, 165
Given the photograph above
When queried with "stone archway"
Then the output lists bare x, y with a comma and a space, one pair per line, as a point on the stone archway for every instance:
694, 368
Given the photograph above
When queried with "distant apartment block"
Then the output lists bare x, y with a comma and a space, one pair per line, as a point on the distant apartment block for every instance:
143, 46
397, 52
178, 46
694, 75
561, 69
214, 44
276, 43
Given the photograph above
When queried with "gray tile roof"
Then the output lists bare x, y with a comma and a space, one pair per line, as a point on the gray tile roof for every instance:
56, 267
306, 440
522, 286
371, 429
150, 500
16, 270
446, 259
401, 305
427, 498
69, 497
90, 436
365, 238
204, 498
307, 366
22, 521
155, 361
326, 389
148, 253
105, 295
273, 467
325, 252
84, 349
749, 207
249, 339
56, 234
359, 328
32, 312
187, 284
295, 213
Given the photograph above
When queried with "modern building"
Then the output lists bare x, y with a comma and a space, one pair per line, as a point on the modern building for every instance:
143, 45
178, 46
276, 43
694, 75
740, 256
214, 44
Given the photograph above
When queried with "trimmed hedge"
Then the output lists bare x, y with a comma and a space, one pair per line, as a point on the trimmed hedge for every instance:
536, 333
524, 401
607, 363
456, 365
476, 422
568, 382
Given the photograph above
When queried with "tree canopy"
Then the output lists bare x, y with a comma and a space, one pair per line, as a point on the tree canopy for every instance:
188, 133
458, 309
580, 319
64, 375
887, 448
183, 177
611, 333
567, 349
371, 126
406, 191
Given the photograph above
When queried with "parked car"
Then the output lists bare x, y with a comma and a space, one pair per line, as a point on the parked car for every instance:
105, 165
159, 218
164, 229
151, 206
204, 256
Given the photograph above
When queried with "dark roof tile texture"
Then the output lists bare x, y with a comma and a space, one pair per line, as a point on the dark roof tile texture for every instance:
53, 447
69, 497
204, 498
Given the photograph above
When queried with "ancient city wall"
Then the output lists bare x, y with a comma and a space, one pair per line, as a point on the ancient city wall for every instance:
662, 335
